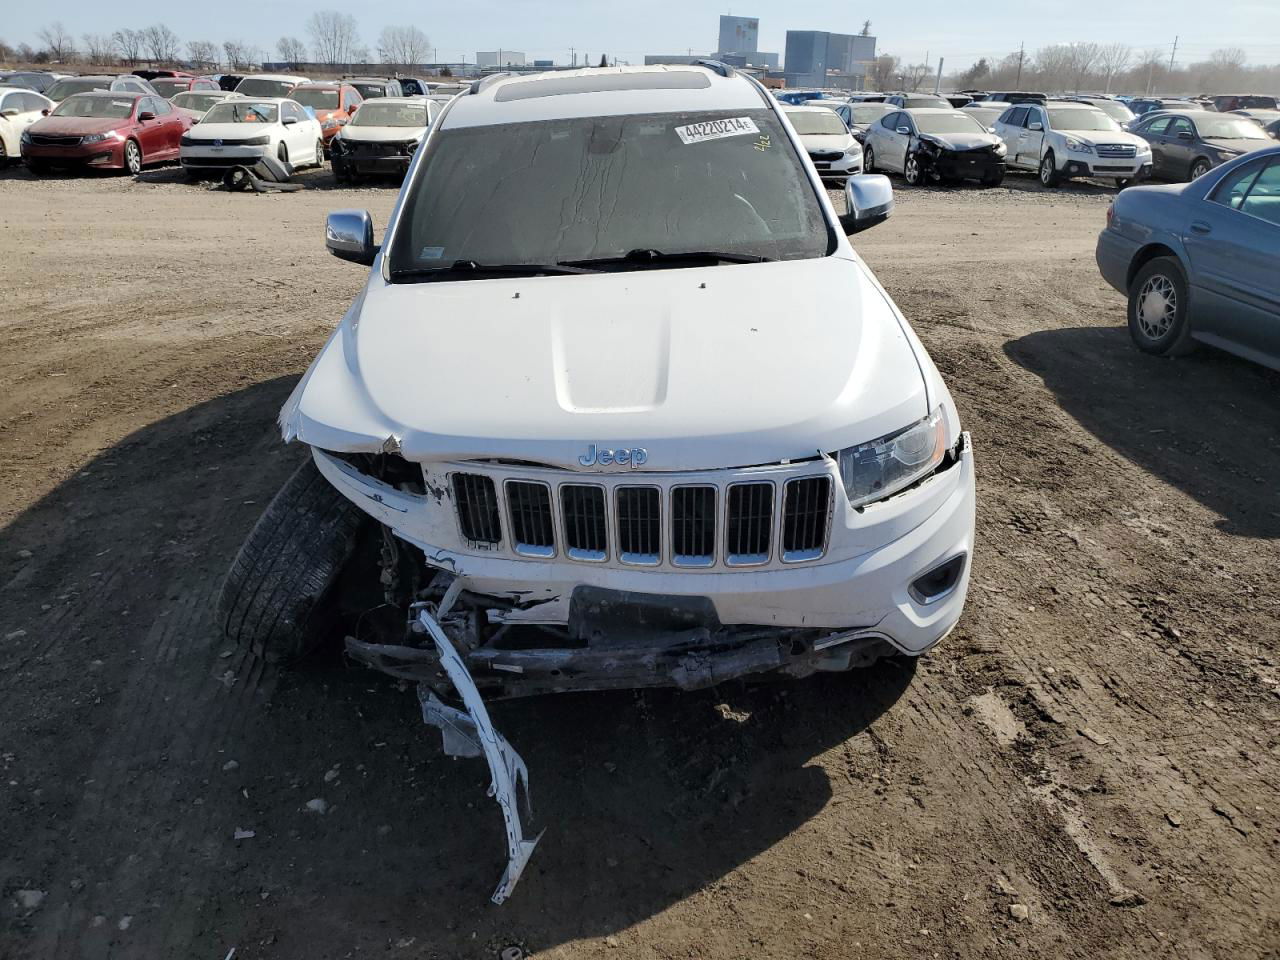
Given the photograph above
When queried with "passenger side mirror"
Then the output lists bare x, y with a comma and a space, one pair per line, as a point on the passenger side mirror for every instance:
1184, 135
146, 115
349, 236
868, 200
906, 131
289, 120
1035, 125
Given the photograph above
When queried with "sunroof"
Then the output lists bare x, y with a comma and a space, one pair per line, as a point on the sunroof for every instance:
601, 83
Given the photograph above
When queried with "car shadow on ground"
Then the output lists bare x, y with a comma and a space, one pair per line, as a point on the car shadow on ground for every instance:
310, 179
646, 798
1205, 423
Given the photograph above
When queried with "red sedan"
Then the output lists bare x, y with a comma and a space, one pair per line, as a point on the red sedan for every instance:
111, 131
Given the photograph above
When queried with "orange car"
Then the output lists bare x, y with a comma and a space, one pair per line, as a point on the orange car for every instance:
333, 103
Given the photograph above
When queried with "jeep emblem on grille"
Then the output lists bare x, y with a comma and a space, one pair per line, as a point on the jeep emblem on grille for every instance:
633, 457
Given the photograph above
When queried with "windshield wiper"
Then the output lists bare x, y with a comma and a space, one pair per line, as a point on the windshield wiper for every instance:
471, 269
644, 257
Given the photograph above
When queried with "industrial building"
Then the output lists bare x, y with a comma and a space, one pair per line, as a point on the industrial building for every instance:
499, 58
815, 58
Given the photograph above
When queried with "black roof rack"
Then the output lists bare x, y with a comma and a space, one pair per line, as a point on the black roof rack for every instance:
718, 66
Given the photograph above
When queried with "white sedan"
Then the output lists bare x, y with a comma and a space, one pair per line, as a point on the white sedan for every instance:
240, 131
19, 109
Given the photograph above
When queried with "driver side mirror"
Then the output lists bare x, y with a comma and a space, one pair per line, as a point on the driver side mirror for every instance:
349, 236
1035, 125
1185, 135
906, 131
289, 120
868, 200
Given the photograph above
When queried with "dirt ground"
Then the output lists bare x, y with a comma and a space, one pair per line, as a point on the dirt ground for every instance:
1096, 743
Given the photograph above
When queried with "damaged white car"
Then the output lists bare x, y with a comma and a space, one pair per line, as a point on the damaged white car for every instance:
619, 406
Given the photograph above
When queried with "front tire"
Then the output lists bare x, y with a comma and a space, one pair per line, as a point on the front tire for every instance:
912, 172
1049, 176
1158, 309
132, 158
993, 179
273, 594
1199, 168
319, 153
868, 159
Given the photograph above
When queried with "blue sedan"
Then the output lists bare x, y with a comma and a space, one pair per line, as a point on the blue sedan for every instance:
1200, 262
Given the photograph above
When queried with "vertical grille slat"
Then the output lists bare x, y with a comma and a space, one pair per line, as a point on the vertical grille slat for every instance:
805, 517
639, 525
529, 508
477, 503
748, 523
693, 526
585, 530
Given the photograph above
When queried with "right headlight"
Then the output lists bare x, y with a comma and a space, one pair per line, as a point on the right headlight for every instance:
879, 469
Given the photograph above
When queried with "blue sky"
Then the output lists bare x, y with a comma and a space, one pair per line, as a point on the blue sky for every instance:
550, 28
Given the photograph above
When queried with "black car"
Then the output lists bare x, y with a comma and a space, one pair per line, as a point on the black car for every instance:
1188, 144
1244, 101
1143, 105
1013, 96
36, 80
858, 116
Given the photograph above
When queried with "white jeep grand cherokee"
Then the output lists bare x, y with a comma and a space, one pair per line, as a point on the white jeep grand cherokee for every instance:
624, 406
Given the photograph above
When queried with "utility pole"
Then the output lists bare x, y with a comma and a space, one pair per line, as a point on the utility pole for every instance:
1022, 49
937, 84
1173, 53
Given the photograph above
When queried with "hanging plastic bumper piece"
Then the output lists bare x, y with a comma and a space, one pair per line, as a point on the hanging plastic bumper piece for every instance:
468, 735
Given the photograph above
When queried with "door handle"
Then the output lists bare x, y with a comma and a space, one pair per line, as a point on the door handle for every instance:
1200, 227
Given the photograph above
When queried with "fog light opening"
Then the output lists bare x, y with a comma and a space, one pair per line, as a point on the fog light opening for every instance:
938, 582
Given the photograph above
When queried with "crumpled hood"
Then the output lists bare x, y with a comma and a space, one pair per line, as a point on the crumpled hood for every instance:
77, 126
371, 134
705, 367
962, 141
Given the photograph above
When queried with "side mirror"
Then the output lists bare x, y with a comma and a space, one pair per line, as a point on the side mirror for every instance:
44, 112
1184, 135
11, 112
146, 115
868, 200
349, 236
289, 120
1035, 125
906, 131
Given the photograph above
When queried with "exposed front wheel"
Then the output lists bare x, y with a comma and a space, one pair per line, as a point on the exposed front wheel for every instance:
911, 170
868, 159
1158, 309
319, 153
132, 157
274, 592
1049, 170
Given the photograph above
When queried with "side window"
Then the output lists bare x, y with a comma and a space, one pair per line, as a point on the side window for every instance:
1179, 125
1035, 115
1263, 200
1232, 189
1017, 117
887, 121
293, 110
162, 106
1158, 127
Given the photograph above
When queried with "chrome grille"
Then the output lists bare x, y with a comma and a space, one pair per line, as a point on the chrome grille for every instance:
585, 529
693, 526
639, 525
748, 523
1116, 150
477, 508
806, 510
532, 527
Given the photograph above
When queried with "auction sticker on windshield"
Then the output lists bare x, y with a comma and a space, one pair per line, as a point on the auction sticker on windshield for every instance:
716, 130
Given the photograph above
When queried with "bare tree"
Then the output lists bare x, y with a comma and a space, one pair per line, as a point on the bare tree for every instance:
1112, 59
334, 36
1151, 63
25, 53
129, 43
883, 70
202, 52
7, 53
100, 47
58, 41
239, 54
161, 43
403, 45
292, 51
913, 75
1081, 59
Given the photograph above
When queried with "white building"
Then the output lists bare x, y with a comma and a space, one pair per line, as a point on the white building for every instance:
500, 58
